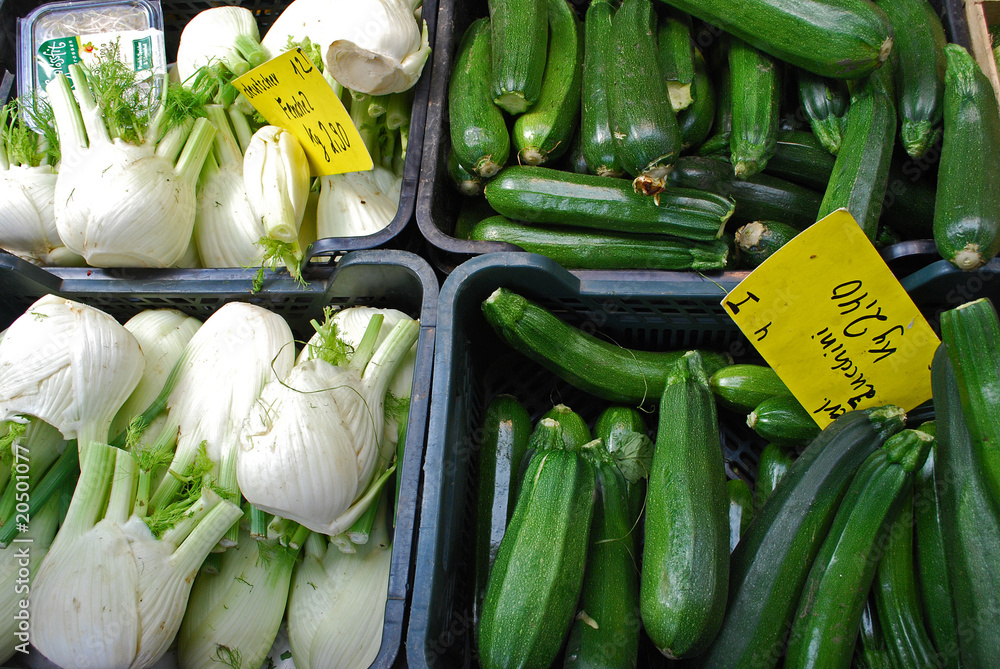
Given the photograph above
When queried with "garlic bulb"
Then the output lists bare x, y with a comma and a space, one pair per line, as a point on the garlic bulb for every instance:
69, 364
356, 204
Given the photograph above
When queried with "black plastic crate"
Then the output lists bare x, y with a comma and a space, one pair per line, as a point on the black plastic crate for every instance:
176, 14
379, 278
651, 310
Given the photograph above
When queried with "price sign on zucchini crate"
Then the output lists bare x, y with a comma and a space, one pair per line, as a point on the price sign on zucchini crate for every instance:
827, 314
292, 94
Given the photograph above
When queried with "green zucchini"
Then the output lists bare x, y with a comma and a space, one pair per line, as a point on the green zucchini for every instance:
506, 428
829, 612
623, 431
574, 429
593, 365
908, 207
971, 333
775, 461
861, 171
970, 523
479, 134
595, 126
931, 563
685, 557
696, 121
585, 249
759, 240
605, 633
870, 651
616, 421
756, 91
782, 418
967, 207
647, 137
800, 158
743, 386
740, 510
465, 181
575, 161
772, 560
722, 124
920, 44
824, 102
520, 44
843, 39
759, 197
543, 195
544, 133
676, 52
471, 210
537, 576
897, 603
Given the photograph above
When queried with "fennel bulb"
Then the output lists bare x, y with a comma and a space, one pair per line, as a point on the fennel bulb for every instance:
370, 46
110, 594
356, 204
226, 228
69, 364
119, 202
311, 444
233, 617
336, 608
226, 35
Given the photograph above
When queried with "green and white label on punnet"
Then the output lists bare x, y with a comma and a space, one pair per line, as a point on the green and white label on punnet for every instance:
140, 49
829, 317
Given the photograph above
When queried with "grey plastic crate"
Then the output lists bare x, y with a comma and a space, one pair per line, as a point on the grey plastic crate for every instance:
650, 310
381, 278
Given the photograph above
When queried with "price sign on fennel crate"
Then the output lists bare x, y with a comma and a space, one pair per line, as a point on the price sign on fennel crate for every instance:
292, 94
828, 315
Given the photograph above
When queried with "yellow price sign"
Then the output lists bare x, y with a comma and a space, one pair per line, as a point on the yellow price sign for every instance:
292, 94
829, 317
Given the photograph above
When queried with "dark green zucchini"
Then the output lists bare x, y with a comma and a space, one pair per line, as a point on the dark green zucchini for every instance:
843, 39
970, 523
696, 121
673, 44
471, 210
598, 144
543, 133
908, 207
760, 197
685, 557
833, 599
772, 560
870, 651
647, 137
593, 365
967, 207
775, 461
824, 102
759, 240
920, 44
576, 248
506, 428
574, 429
756, 91
782, 418
742, 387
465, 181
574, 160
800, 158
537, 576
479, 134
520, 47
722, 124
543, 195
740, 510
623, 431
861, 172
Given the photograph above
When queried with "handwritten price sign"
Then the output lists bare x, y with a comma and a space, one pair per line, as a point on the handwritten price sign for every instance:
291, 93
828, 315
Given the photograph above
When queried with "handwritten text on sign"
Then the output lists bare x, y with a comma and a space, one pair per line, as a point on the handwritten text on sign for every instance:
291, 93
828, 315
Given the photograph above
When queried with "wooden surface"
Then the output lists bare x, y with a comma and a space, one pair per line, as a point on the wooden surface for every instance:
980, 14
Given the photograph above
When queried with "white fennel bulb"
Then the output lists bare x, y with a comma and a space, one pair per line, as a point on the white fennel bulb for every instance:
226, 35
311, 444
226, 228
111, 593
162, 335
336, 607
69, 364
118, 202
369, 46
356, 204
